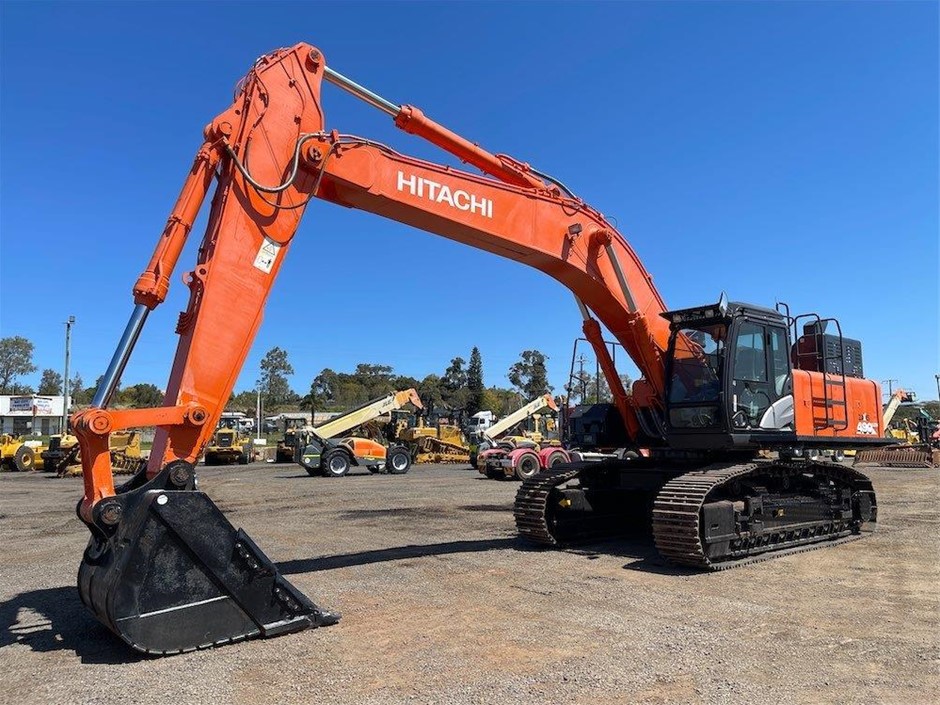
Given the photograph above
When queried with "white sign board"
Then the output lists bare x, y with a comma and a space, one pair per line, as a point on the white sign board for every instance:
43, 406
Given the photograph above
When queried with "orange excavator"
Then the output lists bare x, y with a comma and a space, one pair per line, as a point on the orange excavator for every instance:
167, 572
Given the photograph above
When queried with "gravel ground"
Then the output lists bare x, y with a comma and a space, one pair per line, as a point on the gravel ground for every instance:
441, 604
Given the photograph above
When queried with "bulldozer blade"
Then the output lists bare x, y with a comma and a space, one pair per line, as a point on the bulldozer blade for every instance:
900, 457
176, 576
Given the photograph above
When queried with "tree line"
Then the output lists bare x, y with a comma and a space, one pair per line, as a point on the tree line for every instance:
16, 361
457, 388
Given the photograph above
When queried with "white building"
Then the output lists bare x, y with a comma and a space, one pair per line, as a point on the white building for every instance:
30, 414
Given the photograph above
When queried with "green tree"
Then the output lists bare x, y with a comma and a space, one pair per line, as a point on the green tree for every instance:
77, 391
430, 392
400, 382
529, 375
375, 380
476, 390
455, 376
454, 384
51, 382
275, 368
16, 360
502, 401
322, 391
89, 392
244, 401
142, 396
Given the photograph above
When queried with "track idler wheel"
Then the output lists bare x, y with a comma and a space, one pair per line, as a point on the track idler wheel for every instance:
167, 572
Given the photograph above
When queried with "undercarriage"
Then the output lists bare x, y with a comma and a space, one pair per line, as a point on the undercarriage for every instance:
711, 518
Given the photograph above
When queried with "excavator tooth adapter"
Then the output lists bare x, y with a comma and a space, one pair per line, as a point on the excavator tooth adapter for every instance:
167, 572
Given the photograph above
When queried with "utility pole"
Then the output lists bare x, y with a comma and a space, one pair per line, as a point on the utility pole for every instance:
65, 380
597, 381
890, 383
258, 414
937, 377
581, 381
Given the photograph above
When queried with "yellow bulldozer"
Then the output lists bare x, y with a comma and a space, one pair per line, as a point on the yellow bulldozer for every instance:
64, 458
441, 443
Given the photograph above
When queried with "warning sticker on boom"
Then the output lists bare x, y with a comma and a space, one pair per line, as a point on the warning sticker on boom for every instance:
266, 256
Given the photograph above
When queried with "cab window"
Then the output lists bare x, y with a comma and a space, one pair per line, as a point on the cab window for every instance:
750, 360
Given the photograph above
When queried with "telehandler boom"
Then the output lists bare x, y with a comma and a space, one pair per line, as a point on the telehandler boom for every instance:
167, 572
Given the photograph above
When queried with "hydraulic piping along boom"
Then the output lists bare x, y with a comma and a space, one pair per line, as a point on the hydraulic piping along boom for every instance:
412, 120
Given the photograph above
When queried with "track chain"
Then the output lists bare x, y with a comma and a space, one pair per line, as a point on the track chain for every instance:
677, 514
531, 506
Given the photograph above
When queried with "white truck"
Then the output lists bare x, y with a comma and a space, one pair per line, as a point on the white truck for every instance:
478, 423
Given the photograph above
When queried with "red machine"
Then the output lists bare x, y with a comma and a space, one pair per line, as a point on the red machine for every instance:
167, 572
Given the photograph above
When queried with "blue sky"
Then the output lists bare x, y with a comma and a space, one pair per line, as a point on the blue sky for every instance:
777, 151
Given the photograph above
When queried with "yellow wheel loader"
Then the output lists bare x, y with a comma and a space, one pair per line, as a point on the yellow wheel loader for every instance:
21, 454
228, 447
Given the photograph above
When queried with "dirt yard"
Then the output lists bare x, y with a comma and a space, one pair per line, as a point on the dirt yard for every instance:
442, 604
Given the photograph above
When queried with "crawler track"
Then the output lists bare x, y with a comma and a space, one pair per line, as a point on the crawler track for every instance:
677, 516
531, 508
678, 511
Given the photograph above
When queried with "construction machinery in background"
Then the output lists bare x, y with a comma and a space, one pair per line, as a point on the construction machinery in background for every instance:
63, 456
496, 455
589, 432
322, 455
916, 444
290, 445
228, 446
62, 452
521, 459
436, 443
722, 383
21, 453
486, 437
899, 397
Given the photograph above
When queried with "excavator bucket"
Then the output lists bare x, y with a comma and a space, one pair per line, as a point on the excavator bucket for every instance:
175, 575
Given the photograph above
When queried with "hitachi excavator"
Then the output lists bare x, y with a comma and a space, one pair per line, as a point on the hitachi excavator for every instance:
167, 572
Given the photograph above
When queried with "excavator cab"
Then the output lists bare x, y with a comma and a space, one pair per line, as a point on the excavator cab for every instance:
729, 377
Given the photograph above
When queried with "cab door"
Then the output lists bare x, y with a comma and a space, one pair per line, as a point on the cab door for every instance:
760, 394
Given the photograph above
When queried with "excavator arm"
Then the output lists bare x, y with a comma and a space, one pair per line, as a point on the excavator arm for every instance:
164, 569
270, 154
